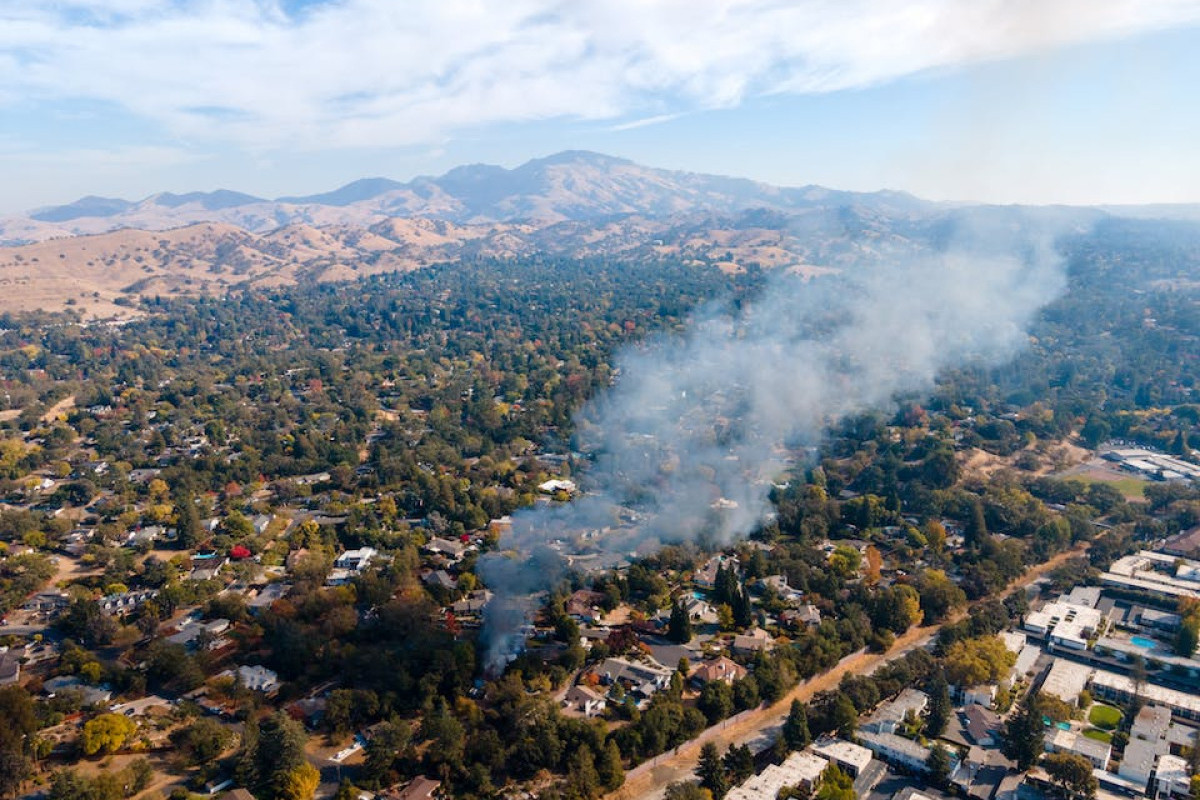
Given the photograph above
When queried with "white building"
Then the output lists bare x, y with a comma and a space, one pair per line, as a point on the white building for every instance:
1138, 762
1151, 724
1157, 573
897, 750
1120, 689
1060, 741
1066, 680
356, 560
887, 718
256, 678
849, 757
1064, 623
1172, 777
799, 769
585, 699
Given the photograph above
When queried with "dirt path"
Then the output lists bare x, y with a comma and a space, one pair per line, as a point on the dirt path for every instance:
649, 783
59, 409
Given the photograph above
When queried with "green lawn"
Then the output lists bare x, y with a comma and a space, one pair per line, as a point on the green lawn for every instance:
1131, 488
1105, 717
1098, 735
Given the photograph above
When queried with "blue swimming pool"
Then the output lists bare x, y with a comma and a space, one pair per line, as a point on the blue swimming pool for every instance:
1142, 641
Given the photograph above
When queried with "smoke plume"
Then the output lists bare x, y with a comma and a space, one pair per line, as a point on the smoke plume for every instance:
686, 442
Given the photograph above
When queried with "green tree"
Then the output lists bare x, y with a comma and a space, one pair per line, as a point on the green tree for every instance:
679, 629
795, 727
937, 716
739, 763
1024, 734
938, 764
583, 782
202, 741
687, 790
715, 701
711, 771
835, 785
609, 767
16, 738
1071, 773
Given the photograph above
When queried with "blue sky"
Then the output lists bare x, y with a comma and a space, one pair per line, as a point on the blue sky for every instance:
991, 100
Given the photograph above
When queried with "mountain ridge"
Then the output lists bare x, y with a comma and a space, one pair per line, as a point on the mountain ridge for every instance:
570, 185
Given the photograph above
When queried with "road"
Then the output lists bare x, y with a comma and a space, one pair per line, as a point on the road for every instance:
759, 728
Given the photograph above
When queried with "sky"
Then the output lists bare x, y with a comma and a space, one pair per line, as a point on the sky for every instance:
1031, 101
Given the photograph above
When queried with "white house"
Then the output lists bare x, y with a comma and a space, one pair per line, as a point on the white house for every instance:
586, 700
1172, 777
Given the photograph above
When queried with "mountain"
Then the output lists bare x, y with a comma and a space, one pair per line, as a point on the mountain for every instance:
573, 185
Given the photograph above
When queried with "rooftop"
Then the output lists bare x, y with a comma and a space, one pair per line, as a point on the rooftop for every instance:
1066, 680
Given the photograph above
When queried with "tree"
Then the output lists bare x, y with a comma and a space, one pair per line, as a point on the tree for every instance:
16, 738
844, 716
201, 742
299, 783
388, 743
985, 659
1189, 634
715, 701
272, 751
107, 733
687, 790
679, 629
938, 763
739, 763
711, 771
874, 566
1024, 734
937, 716
795, 728
975, 532
939, 595
583, 782
835, 785
608, 766
1071, 773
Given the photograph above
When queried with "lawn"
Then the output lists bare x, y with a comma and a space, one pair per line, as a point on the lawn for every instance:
1105, 717
1098, 735
1131, 488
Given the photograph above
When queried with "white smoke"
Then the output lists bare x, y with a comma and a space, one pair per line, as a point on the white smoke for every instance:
697, 425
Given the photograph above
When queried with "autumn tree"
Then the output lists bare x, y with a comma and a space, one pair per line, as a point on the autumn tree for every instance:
1071, 773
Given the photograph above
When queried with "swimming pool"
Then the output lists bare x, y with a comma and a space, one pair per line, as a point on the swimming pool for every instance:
1142, 641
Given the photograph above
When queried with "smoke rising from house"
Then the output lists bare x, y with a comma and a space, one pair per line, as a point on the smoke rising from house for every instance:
697, 425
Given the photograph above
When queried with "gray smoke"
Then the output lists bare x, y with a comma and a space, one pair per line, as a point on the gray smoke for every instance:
686, 442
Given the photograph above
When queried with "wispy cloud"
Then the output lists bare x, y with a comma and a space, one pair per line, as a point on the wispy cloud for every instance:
374, 73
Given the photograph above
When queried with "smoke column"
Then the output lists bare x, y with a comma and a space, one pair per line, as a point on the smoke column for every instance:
696, 425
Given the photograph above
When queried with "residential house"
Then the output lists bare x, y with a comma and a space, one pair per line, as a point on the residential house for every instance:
706, 576
719, 669
584, 606
448, 548
267, 596
473, 604
897, 751
256, 678
639, 677
420, 788
1060, 741
888, 717
755, 640
439, 578
982, 725
981, 695
586, 700
700, 611
123, 603
196, 634
356, 560
802, 770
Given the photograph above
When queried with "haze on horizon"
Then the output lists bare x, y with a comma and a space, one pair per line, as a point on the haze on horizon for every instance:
999, 101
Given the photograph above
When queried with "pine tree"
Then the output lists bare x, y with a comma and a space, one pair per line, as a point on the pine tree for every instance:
795, 728
608, 766
938, 764
711, 771
739, 763
583, 783
1024, 734
743, 612
938, 715
976, 531
679, 629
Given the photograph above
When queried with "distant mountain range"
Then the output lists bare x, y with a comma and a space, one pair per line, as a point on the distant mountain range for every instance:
99, 254
573, 185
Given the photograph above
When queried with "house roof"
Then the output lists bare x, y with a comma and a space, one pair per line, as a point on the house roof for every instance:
419, 788
981, 723
237, 794
719, 669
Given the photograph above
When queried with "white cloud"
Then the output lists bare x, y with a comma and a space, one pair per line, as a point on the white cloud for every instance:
384, 72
